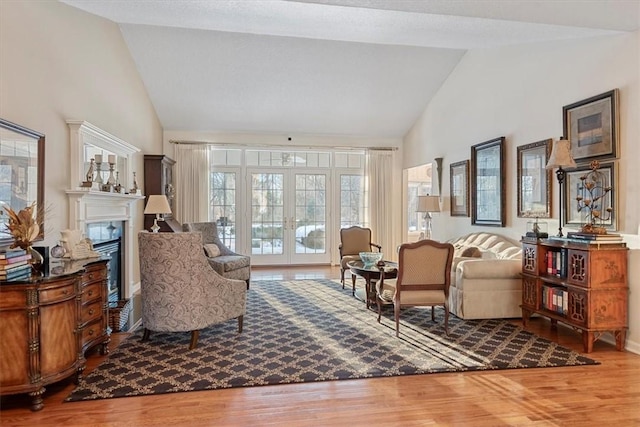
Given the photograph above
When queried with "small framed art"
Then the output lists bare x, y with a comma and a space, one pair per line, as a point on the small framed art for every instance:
459, 186
534, 180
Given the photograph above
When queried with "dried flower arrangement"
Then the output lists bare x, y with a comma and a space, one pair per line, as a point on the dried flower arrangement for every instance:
23, 225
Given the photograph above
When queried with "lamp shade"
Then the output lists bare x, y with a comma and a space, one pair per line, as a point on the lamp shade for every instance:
561, 155
428, 204
157, 204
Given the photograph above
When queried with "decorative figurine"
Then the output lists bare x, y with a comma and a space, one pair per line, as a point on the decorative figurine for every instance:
89, 177
134, 189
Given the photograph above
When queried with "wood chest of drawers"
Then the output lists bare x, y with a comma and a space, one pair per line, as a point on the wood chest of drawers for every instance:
48, 323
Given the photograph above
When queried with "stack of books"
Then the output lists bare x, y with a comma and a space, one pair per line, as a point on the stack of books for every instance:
14, 264
595, 238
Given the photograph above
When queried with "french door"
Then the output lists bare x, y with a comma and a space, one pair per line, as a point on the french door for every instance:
288, 215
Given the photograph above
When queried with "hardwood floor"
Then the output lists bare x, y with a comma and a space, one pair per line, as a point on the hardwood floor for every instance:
607, 394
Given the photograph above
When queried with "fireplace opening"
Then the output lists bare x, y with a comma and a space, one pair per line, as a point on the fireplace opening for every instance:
107, 240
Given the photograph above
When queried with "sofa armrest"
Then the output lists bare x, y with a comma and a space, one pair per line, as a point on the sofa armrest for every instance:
488, 269
458, 260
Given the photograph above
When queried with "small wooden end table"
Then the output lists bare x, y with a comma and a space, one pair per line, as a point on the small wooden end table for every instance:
371, 274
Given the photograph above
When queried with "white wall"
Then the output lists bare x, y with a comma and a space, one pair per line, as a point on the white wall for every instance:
60, 63
518, 92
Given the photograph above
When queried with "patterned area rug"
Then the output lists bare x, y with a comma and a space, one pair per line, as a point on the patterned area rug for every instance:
312, 330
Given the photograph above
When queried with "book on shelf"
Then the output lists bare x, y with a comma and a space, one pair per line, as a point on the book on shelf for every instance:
555, 299
11, 253
556, 263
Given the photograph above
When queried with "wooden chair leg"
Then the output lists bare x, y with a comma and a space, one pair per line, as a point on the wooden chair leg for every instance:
353, 285
396, 313
146, 334
194, 339
446, 320
433, 315
248, 280
240, 323
379, 302
342, 276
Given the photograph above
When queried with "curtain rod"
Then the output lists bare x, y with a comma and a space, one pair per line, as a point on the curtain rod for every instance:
289, 147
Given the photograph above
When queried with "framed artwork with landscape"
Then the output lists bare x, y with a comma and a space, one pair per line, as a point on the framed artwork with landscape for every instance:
534, 180
459, 187
488, 192
591, 125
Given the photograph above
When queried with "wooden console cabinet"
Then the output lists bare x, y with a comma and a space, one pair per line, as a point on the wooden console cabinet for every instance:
48, 323
581, 284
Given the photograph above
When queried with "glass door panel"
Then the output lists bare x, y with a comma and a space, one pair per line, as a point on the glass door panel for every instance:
310, 218
267, 215
288, 217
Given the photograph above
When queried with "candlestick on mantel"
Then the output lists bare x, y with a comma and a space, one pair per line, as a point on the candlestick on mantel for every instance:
98, 158
112, 158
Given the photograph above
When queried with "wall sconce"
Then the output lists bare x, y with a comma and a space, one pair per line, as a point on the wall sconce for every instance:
439, 172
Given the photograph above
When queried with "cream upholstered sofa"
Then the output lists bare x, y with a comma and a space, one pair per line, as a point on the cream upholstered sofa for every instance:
485, 277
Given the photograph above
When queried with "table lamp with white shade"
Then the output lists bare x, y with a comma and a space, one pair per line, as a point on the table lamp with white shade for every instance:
561, 158
428, 204
158, 205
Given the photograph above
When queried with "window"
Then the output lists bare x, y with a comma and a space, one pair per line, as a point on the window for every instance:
419, 184
223, 206
353, 201
329, 192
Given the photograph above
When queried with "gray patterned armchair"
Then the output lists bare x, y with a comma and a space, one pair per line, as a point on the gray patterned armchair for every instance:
224, 261
180, 291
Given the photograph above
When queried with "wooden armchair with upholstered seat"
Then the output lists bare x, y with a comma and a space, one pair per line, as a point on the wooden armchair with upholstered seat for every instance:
424, 276
180, 291
354, 240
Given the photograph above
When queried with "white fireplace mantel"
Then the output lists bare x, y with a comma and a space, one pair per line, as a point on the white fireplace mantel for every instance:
88, 205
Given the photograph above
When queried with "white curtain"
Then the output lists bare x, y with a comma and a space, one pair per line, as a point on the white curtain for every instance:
379, 173
192, 178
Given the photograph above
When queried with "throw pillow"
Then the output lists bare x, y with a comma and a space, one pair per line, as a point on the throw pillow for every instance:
212, 250
471, 252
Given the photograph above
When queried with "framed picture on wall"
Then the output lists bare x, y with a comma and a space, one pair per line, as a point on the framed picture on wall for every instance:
459, 187
488, 192
591, 125
534, 180
576, 192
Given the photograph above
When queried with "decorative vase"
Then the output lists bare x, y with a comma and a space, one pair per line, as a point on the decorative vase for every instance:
37, 260
57, 251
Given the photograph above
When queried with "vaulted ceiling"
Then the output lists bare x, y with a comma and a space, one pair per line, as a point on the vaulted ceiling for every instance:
327, 67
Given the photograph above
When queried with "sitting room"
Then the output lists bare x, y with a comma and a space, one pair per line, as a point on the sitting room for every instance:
251, 135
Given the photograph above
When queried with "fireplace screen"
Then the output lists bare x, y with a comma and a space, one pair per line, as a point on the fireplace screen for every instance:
107, 240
